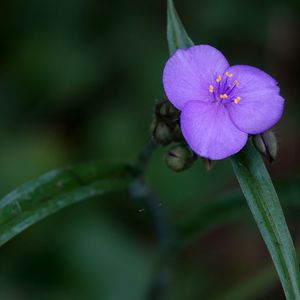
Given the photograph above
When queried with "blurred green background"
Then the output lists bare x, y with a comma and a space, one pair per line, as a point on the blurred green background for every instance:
78, 82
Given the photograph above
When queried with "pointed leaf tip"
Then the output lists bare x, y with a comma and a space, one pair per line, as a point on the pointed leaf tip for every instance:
176, 33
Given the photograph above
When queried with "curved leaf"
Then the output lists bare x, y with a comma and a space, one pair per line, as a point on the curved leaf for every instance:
55, 190
233, 207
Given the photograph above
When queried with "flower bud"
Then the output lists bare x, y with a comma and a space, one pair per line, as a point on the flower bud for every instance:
266, 144
166, 109
177, 134
162, 133
180, 158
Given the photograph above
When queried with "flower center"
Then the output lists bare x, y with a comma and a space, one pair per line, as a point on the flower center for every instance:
225, 89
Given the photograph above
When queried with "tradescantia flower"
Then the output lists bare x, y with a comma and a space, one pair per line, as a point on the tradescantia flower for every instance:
220, 104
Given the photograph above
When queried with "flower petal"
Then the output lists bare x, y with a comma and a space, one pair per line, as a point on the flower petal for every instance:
260, 106
209, 130
188, 74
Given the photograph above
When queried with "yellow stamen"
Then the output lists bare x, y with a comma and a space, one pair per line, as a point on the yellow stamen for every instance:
228, 74
223, 96
236, 83
211, 88
219, 78
237, 100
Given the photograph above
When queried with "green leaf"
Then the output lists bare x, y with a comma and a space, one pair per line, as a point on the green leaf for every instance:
258, 190
177, 36
231, 207
264, 204
55, 190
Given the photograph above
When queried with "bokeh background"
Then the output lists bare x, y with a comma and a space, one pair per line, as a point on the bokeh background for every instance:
78, 82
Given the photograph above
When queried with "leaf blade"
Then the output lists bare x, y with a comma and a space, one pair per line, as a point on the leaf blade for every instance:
176, 33
264, 204
55, 190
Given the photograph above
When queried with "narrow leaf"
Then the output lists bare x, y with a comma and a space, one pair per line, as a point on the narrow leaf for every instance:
264, 204
177, 36
258, 190
55, 190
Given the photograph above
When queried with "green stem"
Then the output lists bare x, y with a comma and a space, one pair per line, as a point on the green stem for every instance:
140, 191
145, 157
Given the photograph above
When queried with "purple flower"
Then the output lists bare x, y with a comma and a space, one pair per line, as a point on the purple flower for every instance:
220, 105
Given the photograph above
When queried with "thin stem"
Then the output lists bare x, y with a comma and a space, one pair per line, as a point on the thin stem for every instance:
164, 236
145, 157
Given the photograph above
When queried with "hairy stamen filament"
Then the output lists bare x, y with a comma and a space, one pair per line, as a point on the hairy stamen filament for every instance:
230, 88
223, 90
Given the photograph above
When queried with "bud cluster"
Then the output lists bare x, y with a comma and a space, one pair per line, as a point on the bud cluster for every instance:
180, 158
165, 130
165, 126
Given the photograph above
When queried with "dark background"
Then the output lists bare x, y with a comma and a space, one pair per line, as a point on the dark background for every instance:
78, 81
